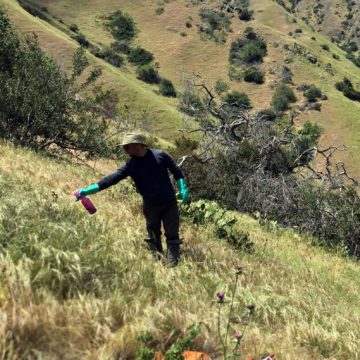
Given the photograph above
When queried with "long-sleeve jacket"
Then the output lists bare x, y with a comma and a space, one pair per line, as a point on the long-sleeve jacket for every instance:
150, 174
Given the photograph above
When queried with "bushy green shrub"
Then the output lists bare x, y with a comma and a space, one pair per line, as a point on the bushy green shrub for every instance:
313, 93
74, 28
191, 103
237, 100
221, 86
43, 108
121, 46
268, 114
346, 87
245, 14
167, 88
253, 74
140, 56
148, 73
121, 26
325, 47
247, 51
81, 39
282, 97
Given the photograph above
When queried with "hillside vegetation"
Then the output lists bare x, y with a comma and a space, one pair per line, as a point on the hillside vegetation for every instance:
181, 52
78, 286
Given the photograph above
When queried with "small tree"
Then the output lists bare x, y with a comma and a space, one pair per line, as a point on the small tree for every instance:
282, 97
148, 74
140, 56
121, 26
238, 100
167, 88
313, 93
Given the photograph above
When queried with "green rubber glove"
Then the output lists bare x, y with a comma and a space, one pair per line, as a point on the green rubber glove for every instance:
92, 189
183, 191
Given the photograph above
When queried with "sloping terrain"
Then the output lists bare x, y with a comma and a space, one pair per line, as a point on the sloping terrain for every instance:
74, 286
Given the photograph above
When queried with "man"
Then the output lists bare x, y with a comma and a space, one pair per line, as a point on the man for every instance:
149, 170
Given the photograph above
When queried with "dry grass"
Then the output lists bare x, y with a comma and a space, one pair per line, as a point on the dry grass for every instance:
306, 298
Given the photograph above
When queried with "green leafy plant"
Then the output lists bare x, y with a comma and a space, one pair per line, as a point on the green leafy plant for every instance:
121, 26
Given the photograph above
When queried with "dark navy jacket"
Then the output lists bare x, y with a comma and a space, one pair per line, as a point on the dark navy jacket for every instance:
150, 174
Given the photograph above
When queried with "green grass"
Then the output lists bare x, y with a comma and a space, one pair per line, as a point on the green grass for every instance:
306, 298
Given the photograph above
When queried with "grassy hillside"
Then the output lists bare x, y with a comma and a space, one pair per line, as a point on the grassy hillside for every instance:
77, 286
182, 56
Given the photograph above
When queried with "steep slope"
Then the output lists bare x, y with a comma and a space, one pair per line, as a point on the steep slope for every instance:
74, 286
290, 40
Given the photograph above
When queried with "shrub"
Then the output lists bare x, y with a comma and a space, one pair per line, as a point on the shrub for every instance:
167, 88
74, 28
335, 56
298, 31
121, 46
140, 56
81, 39
221, 86
188, 24
325, 47
268, 114
282, 97
247, 51
110, 56
148, 74
245, 14
346, 87
313, 93
43, 108
254, 75
238, 100
191, 103
121, 26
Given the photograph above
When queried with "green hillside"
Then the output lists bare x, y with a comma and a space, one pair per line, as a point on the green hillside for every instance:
74, 286
182, 56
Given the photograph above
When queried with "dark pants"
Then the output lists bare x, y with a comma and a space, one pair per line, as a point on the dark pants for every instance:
168, 215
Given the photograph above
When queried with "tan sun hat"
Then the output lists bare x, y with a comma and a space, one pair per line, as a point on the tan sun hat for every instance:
133, 138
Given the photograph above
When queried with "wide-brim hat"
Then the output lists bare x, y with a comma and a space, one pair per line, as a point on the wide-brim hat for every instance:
133, 138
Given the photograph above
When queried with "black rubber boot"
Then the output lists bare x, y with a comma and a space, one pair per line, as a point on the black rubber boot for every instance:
155, 247
173, 254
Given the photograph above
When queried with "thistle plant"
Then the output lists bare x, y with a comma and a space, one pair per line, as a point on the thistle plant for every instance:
233, 353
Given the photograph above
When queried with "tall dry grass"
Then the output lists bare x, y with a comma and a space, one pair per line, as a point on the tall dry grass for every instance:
74, 286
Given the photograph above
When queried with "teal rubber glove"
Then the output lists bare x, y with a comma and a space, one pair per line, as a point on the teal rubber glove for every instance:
183, 191
92, 189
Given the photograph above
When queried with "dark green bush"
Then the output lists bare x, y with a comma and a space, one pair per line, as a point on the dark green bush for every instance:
121, 46
191, 103
237, 100
167, 88
81, 39
282, 97
221, 86
325, 47
313, 93
346, 87
246, 51
43, 108
245, 14
335, 56
253, 74
268, 114
74, 28
148, 74
121, 26
140, 56
110, 56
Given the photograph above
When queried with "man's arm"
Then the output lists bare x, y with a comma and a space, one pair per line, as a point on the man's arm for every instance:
106, 182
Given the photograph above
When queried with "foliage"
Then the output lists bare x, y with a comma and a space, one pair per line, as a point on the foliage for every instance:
43, 108
253, 74
121, 46
215, 25
140, 56
190, 103
313, 93
74, 28
167, 88
248, 50
346, 87
237, 100
245, 14
204, 212
221, 86
282, 97
325, 47
121, 26
110, 56
148, 73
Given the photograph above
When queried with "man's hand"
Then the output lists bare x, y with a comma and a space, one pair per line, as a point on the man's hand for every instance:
183, 191
92, 189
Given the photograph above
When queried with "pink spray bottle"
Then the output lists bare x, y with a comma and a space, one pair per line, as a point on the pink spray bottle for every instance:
88, 205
